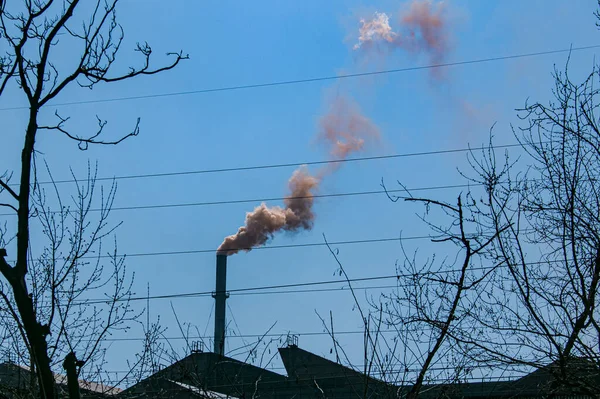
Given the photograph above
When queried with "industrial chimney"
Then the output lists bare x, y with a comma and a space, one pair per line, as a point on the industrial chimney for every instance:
220, 296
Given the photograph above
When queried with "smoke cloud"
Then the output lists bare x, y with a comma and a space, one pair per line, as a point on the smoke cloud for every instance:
263, 222
376, 30
422, 28
344, 130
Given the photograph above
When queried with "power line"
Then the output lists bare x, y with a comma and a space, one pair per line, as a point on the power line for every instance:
238, 291
316, 79
442, 381
271, 335
332, 195
254, 200
329, 376
378, 374
264, 290
313, 290
439, 367
285, 246
268, 199
253, 290
284, 165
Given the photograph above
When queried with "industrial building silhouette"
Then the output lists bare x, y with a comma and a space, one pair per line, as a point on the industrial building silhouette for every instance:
203, 374
212, 374
308, 376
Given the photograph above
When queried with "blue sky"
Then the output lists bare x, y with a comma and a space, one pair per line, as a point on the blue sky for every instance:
236, 43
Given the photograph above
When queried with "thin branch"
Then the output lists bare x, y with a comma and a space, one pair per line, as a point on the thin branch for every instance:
10, 190
10, 206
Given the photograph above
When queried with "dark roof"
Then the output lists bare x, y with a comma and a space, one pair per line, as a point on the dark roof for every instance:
582, 380
308, 376
16, 379
211, 372
334, 379
200, 375
472, 390
163, 388
576, 376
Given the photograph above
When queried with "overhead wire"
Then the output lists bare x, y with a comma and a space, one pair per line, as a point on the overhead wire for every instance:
242, 336
252, 289
276, 289
211, 391
314, 290
267, 247
264, 290
293, 164
237, 326
267, 199
355, 367
187, 387
284, 165
289, 82
315, 79
312, 379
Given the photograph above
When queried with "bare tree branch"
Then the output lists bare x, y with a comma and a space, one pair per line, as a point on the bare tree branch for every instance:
46, 287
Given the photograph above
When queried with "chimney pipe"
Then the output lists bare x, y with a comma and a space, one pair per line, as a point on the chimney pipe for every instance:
220, 296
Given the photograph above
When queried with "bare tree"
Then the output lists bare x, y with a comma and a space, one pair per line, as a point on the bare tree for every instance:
43, 295
531, 302
431, 300
548, 224
517, 290
433, 297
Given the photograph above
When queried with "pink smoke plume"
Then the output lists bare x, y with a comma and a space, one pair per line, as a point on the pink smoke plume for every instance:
377, 29
263, 222
345, 130
422, 28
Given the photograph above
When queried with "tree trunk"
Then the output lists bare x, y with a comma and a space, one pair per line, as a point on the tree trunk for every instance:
36, 332
70, 366
36, 336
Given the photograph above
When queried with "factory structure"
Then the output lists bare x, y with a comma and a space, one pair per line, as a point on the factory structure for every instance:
205, 374
307, 375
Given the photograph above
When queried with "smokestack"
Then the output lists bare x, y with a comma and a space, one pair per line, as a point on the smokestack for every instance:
220, 296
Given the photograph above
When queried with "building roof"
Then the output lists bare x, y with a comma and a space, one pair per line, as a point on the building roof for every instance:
201, 375
211, 372
159, 388
327, 376
582, 379
308, 375
14, 378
